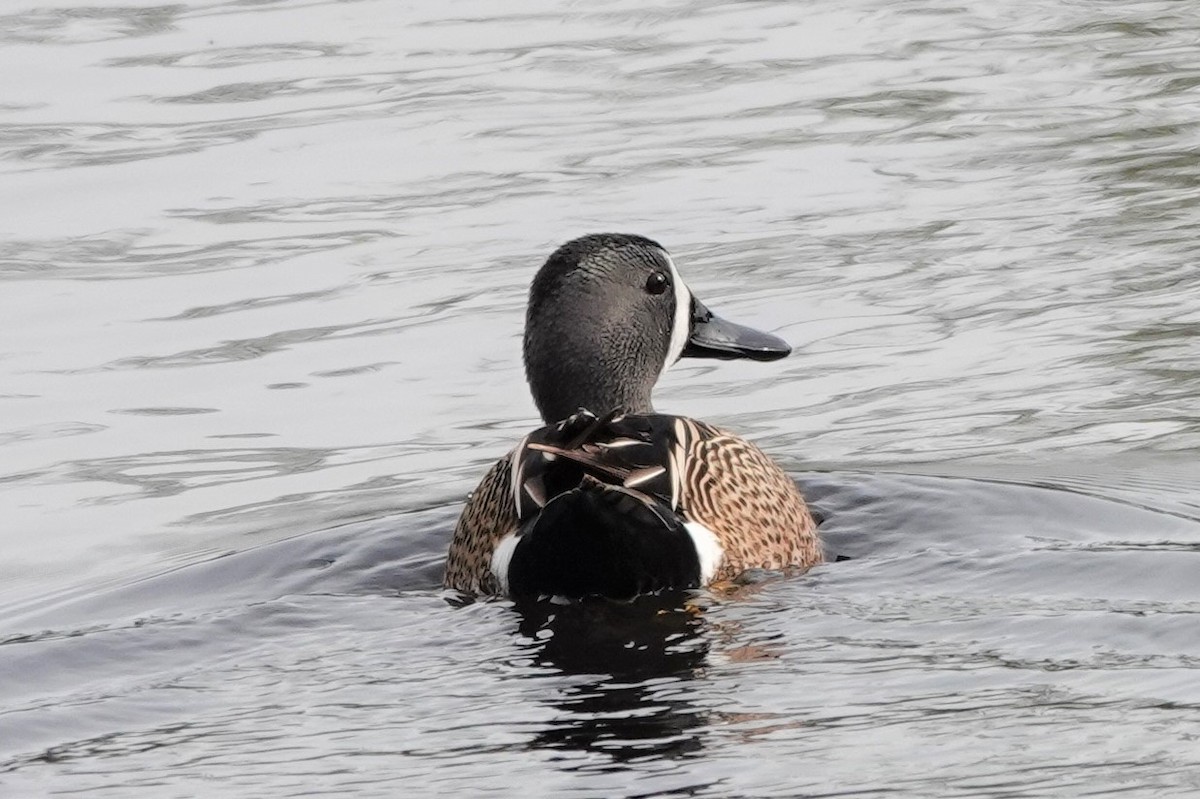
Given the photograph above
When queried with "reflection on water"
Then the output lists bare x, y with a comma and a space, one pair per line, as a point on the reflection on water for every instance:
264, 270
638, 658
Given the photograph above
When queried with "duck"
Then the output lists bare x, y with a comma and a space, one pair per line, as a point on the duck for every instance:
610, 498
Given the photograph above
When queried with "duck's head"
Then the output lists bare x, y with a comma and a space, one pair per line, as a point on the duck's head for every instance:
607, 315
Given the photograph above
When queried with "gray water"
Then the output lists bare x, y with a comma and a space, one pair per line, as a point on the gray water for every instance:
262, 275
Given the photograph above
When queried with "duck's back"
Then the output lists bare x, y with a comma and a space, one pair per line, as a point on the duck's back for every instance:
626, 503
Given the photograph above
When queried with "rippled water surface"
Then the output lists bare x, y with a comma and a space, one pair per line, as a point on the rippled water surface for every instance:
262, 276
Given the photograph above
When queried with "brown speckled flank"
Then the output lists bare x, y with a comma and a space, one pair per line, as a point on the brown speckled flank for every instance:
489, 515
755, 509
710, 476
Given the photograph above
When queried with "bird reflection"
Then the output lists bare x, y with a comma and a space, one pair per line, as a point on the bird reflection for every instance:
641, 655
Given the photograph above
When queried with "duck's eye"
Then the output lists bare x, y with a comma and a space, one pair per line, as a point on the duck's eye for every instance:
657, 283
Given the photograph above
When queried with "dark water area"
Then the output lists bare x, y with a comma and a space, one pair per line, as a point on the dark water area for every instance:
262, 277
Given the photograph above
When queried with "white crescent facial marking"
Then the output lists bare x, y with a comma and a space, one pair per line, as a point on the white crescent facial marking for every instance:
708, 550
502, 557
681, 329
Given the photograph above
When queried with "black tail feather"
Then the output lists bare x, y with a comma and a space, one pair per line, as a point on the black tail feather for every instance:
603, 540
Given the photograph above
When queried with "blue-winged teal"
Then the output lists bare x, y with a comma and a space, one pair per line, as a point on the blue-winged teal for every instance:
611, 498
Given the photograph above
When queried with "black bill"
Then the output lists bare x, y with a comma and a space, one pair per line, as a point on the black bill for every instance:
714, 337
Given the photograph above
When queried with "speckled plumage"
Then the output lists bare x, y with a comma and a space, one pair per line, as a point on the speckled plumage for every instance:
702, 473
739, 493
489, 515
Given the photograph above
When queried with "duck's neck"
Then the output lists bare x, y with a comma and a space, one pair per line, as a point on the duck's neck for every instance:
562, 385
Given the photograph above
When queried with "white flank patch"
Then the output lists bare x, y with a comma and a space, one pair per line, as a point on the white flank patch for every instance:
682, 327
708, 549
502, 557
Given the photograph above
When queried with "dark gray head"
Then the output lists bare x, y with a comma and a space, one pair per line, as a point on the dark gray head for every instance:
608, 313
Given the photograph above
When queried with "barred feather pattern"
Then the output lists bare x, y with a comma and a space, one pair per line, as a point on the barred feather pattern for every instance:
489, 515
757, 513
702, 472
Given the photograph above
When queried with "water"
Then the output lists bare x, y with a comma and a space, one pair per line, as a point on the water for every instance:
262, 271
